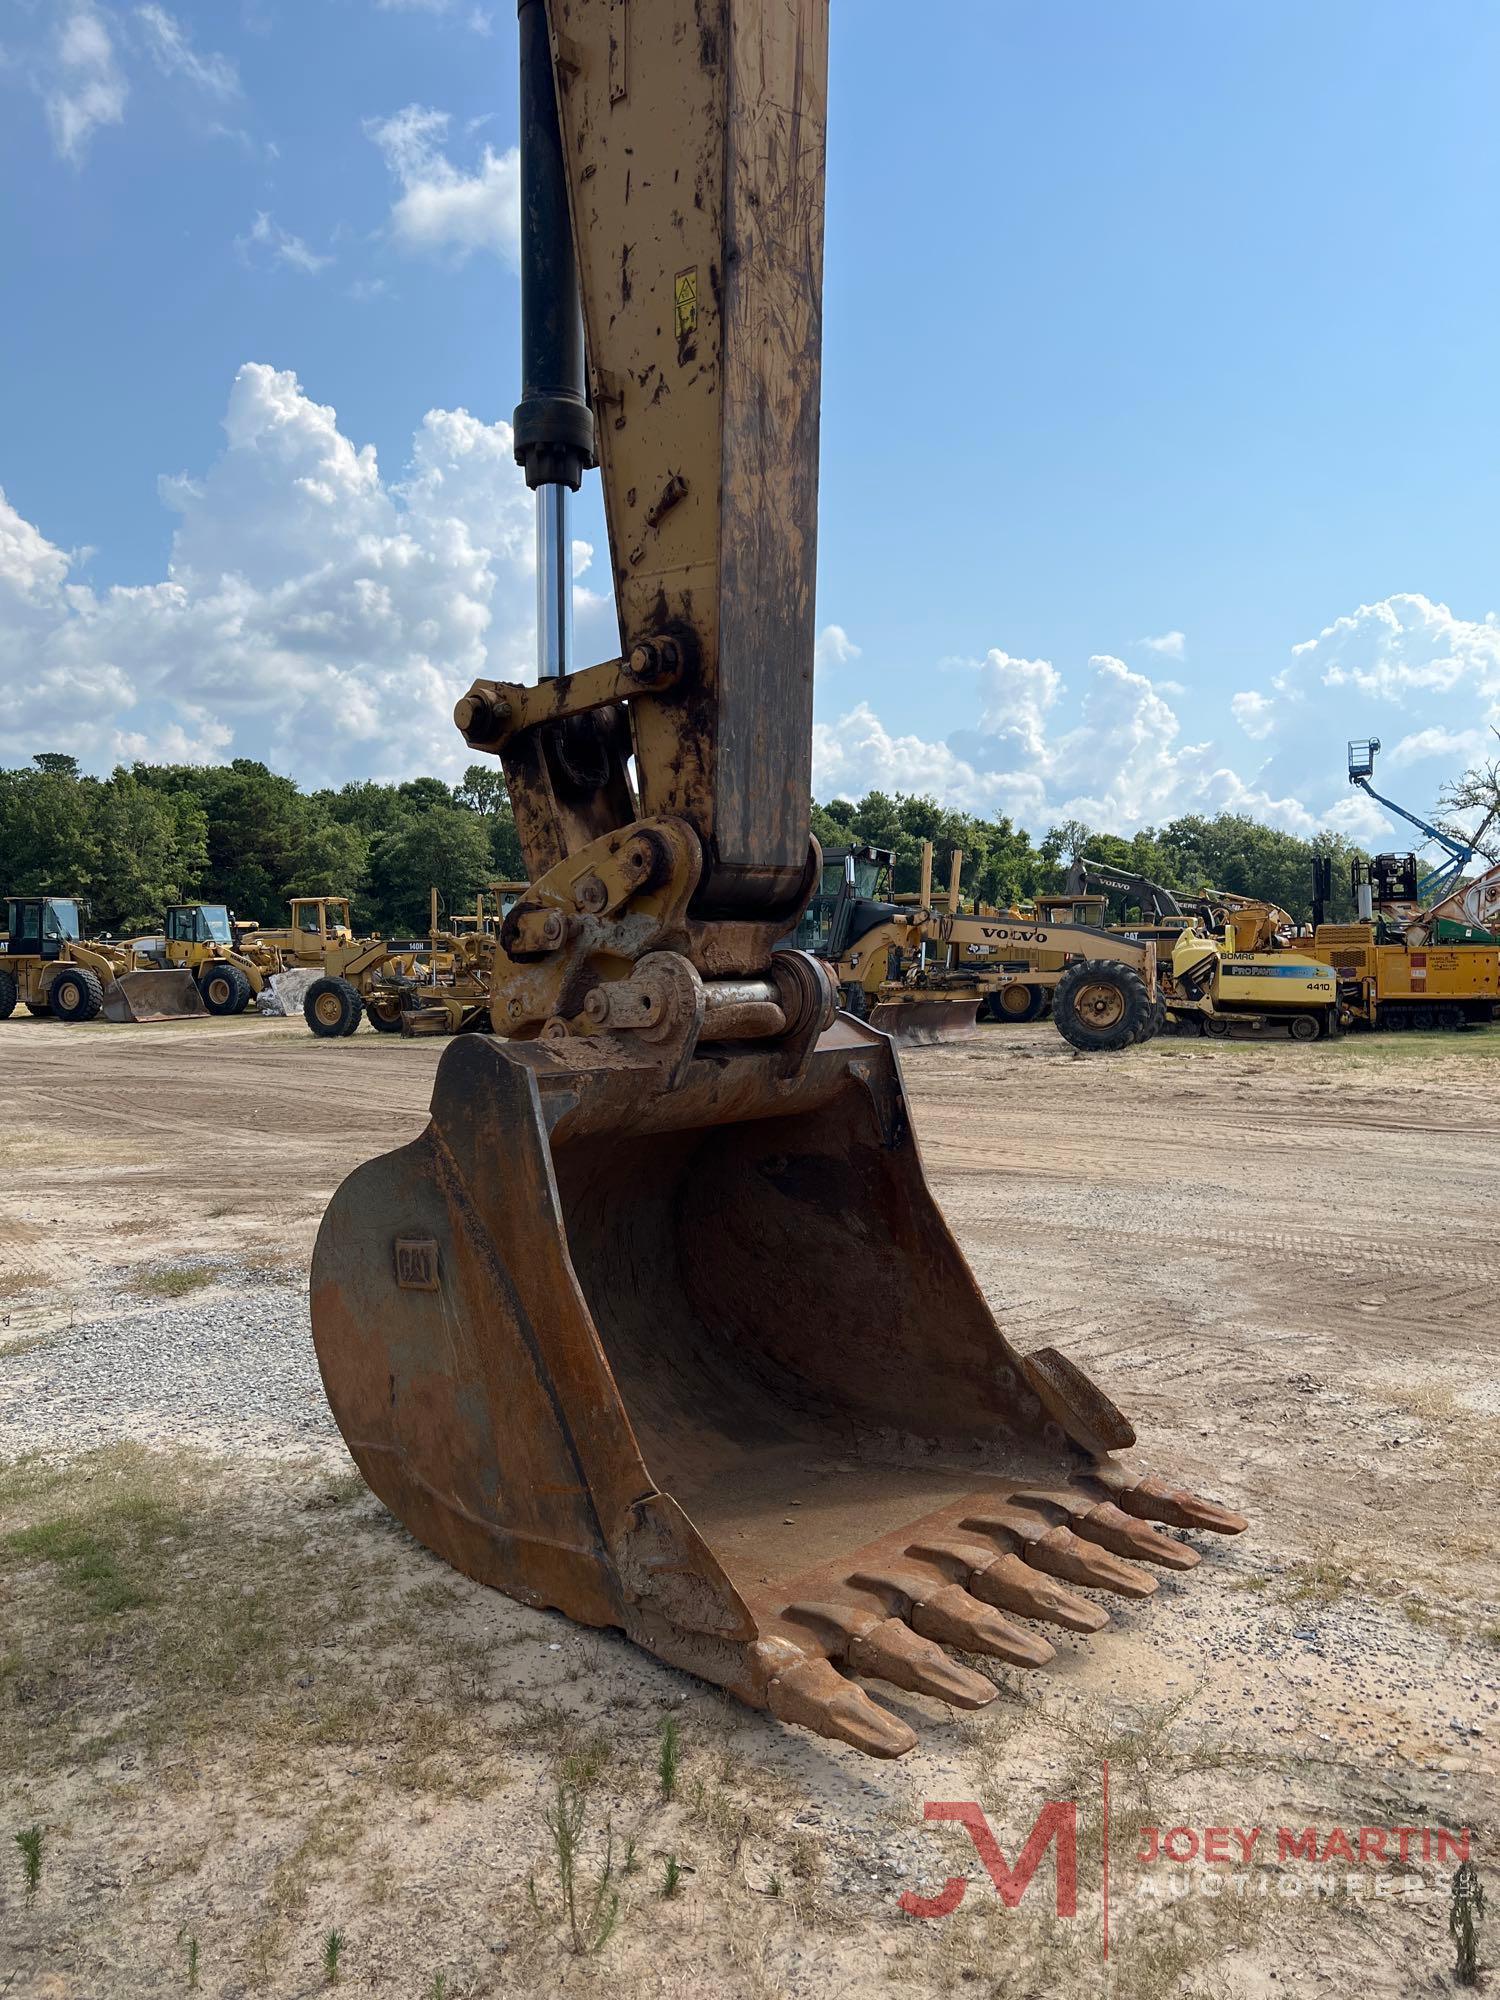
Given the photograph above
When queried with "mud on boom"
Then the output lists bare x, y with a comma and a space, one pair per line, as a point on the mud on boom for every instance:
600, 1337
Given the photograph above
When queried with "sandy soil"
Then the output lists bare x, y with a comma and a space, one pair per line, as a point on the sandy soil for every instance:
1281, 1261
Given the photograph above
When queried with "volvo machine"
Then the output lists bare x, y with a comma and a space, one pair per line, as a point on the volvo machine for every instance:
602, 1336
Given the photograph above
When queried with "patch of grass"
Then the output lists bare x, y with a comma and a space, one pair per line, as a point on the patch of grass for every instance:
668, 1756
1321, 1581
105, 1549
333, 1952
14, 1284
175, 1282
31, 1343
1416, 1612
30, 1843
192, 1963
671, 1876
591, 1918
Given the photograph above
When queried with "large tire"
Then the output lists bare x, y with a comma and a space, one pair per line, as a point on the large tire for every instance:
75, 994
1303, 1027
1016, 1003
225, 988
1156, 1020
332, 1008
384, 1014
7, 995
1101, 1005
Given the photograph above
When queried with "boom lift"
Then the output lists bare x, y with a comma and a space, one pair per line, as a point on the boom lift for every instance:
601, 1336
1437, 882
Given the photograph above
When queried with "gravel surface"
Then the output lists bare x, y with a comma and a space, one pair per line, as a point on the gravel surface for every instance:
229, 1367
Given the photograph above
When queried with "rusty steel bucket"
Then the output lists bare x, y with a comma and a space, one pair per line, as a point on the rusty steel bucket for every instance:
170, 995
706, 1364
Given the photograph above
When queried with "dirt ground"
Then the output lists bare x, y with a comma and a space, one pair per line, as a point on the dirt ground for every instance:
254, 1740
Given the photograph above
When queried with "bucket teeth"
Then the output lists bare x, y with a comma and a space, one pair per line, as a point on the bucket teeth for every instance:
1115, 1531
1153, 1500
816, 1695
1013, 1585
955, 1618
1060, 1553
892, 1651
1009, 1584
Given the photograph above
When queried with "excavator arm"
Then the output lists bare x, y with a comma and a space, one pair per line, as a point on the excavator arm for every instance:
602, 1337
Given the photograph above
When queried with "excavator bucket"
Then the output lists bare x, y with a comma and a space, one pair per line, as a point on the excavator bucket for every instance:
169, 995
706, 1364
919, 1023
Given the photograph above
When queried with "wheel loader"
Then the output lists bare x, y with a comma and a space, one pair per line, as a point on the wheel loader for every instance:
203, 938
49, 968
601, 1337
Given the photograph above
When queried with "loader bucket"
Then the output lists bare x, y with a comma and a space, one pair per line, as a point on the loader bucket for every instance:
917, 1023
170, 995
707, 1365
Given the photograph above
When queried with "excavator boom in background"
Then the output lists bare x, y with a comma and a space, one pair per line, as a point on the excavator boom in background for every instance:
602, 1336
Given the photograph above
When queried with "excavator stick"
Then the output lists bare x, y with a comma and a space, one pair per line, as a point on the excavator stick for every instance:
658, 1323
708, 1365
169, 995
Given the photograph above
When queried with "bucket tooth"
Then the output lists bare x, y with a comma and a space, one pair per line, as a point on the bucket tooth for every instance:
1113, 1530
1009, 1584
1013, 1585
947, 1613
892, 1651
1060, 1553
818, 1696
1152, 1499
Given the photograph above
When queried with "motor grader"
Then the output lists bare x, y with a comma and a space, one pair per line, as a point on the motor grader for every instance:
441, 987
601, 1336
48, 967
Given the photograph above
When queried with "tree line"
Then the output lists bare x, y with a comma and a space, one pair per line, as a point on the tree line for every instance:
237, 833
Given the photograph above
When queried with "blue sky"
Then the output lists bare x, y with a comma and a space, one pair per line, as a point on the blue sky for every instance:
1159, 344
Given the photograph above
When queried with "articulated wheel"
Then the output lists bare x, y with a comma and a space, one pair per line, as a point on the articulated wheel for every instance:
1101, 1005
1156, 1020
75, 994
7, 995
225, 988
1016, 1003
332, 1008
384, 1013
1303, 1027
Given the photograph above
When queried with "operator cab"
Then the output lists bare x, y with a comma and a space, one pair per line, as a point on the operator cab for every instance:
39, 926
849, 901
199, 923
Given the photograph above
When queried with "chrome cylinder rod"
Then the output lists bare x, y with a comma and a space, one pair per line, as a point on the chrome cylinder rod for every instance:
554, 584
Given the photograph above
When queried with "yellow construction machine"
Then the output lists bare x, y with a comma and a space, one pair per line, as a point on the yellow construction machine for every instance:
1400, 965
48, 967
205, 939
601, 1336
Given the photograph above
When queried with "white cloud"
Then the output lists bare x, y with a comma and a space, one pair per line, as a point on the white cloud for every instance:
834, 648
1255, 713
1171, 645
81, 83
313, 613
174, 55
441, 208
1458, 746
282, 247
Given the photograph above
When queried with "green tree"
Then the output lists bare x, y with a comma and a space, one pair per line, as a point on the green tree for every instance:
446, 848
330, 860
149, 847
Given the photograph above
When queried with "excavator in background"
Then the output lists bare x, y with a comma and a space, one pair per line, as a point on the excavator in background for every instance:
601, 1336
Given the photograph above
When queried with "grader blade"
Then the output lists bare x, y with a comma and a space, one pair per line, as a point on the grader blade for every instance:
169, 995
922, 1023
706, 1364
